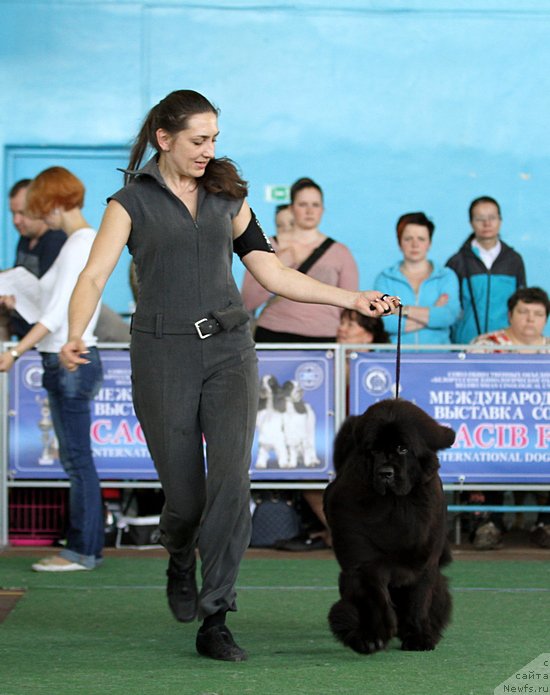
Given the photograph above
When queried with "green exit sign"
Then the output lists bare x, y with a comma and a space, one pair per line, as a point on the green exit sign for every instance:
278, 193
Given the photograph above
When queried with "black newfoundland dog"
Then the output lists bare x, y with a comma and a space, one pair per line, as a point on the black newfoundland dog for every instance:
387, 514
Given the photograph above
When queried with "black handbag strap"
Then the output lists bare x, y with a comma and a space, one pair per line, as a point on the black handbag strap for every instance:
315, 255
474, 307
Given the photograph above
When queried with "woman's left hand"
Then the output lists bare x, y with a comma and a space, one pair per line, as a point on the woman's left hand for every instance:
6, 362
375, 304
8, 301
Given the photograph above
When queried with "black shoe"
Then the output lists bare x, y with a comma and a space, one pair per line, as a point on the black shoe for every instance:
217, 643
182, 594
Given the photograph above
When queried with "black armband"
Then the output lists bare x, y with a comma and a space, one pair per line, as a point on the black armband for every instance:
252, 239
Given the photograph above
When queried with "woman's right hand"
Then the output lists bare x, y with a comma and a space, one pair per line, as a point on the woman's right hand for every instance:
71, 354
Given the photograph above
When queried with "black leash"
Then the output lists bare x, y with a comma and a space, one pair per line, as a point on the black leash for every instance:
398, 352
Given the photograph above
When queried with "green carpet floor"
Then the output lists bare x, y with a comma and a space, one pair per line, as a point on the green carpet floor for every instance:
109, 632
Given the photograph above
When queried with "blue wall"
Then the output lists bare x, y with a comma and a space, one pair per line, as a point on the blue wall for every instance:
391, 106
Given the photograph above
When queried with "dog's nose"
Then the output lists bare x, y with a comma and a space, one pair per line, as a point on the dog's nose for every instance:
386, 473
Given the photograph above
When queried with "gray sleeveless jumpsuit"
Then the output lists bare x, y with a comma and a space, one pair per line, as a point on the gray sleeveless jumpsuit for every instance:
185, 387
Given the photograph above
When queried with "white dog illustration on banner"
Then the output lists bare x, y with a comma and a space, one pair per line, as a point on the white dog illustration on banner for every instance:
269, 423
286, 425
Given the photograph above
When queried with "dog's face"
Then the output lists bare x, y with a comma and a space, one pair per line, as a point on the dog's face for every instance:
394, 443
295, 395
394, 466
294, 391
268, 385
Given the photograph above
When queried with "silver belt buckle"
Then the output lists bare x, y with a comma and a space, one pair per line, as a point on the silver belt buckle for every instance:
202, 335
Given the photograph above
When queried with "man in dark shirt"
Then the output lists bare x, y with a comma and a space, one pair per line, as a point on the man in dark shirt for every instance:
36, 250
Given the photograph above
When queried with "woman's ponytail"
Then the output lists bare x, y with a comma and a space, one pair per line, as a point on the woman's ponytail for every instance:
172, 114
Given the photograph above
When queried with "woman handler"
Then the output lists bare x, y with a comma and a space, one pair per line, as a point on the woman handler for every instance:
193, 360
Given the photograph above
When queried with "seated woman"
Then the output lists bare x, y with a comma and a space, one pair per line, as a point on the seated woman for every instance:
354, 329
429, 292
528, 310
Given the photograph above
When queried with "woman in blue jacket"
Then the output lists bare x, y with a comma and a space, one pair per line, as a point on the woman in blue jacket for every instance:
428, 291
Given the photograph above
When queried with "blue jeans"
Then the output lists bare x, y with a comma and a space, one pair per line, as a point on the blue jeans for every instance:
69, 395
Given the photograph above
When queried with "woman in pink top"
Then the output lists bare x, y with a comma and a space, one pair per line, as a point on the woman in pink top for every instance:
283, 320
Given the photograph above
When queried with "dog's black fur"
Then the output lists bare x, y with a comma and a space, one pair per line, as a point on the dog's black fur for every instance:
387, 514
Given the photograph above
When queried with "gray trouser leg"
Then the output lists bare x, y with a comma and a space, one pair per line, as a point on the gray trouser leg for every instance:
166, 391
228, 417
182, 388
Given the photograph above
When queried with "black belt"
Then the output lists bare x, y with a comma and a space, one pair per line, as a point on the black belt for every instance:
204, 327
225, 319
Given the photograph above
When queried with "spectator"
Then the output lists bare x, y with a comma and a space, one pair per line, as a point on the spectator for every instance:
57, 196
429, 293
37, 249
354, 329
282, 241
285, 321
528, 310
284, 222
488, 270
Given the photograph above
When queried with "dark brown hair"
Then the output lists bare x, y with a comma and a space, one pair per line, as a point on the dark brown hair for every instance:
483, 199
371, 324
18, 186
172, 114
529, 295
302, 183
413, 218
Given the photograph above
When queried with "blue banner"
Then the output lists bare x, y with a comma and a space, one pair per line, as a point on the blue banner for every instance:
498, 405
118, 444
293, 440
295, 422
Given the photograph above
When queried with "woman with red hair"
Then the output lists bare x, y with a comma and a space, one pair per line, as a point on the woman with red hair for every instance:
57, 196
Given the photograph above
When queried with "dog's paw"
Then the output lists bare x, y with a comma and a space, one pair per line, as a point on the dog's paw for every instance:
363, 645
346, 626
418, 643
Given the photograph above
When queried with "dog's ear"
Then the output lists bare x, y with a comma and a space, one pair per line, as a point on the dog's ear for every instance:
440, 437
436, 436
345, 442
